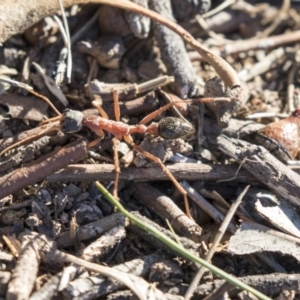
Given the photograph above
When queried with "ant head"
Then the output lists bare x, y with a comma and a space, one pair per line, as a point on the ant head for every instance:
71, 121
174, 128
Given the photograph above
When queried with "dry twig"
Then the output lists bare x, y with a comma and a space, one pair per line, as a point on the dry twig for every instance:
42, 168
44, 8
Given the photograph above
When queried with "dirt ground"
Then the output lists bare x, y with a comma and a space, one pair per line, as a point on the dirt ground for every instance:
187, 112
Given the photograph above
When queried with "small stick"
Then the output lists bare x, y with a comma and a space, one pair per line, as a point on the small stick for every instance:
91, 230
16, 83
182, 171
55, 284
167, 209
24, 274
29, 139
260, 115
291, 88
86, 27
48, 252
104, 244
42, 168
135, 107
219, 8
274, 58
67, 41
31, 133
253, 44
17, 206
116, 144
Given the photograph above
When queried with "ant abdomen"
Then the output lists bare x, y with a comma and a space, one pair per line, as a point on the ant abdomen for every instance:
174, 128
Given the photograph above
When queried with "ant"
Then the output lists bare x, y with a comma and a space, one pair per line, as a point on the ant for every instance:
168, 128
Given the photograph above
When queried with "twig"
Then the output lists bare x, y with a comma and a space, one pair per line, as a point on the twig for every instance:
85, 28
218, 38
266, 115
17, 206
136, 284
104, 244
253, 44
42, 168
187, 171
51, 85
52, 286
126, 91
273, 59
16, 83
167, 209
23, 155
67, 42
291, 88
24, 274
277, 19
219, 8
31, 134
91, 230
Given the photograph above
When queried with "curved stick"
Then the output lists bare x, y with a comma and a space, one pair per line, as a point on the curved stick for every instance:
13, 21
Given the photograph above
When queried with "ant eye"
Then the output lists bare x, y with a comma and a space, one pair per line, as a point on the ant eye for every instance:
174, 128
71, 121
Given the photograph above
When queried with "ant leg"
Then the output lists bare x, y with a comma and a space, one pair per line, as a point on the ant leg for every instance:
99, 132
155, 113
57, 118
96, 141
101, 111
116, 143
116, 104
155, 159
